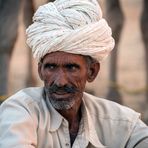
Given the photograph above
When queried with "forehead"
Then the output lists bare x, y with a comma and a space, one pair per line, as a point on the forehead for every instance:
64, 58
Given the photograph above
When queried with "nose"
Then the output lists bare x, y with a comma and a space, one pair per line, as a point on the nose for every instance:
61, 78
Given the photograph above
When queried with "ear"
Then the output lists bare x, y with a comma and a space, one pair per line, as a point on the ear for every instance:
93, 70
40, 70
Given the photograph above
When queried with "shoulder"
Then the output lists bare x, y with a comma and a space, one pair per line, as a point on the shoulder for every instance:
27, 95
105, 109
26, 105
20, 111
111, 119
25, 101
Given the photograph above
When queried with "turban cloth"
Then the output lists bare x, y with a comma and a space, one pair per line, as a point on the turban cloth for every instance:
73, 26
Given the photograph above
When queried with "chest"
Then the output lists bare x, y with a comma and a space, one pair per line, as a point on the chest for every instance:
61, 139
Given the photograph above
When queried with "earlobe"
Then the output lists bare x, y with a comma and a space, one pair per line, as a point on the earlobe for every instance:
93, 71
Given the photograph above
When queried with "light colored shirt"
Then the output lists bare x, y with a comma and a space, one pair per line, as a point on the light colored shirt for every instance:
28, 120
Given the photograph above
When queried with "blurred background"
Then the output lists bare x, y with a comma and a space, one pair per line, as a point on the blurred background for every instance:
131, 73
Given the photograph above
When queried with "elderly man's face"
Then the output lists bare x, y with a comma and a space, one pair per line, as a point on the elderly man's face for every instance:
65, 76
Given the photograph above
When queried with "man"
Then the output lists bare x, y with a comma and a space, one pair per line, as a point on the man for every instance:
69, 38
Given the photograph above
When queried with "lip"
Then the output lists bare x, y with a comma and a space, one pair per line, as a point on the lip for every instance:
62, 95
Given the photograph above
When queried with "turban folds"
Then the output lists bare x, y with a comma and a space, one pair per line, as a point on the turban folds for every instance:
73, 26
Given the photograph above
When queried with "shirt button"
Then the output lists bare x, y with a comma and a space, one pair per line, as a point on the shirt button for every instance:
67, 144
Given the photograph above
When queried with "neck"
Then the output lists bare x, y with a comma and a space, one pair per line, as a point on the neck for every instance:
72, 115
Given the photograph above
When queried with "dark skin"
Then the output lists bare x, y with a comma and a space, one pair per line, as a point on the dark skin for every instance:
66, 69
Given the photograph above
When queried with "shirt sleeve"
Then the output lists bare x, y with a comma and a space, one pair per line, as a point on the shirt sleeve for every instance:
17, 129
139, 136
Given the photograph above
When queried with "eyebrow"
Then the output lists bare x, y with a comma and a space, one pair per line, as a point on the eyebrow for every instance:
49, 64
72, 64
65, 65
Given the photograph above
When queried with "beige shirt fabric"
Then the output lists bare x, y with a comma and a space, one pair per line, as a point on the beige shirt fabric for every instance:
28, 120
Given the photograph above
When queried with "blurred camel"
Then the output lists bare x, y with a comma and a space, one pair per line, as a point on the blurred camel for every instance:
9, 23
116, 20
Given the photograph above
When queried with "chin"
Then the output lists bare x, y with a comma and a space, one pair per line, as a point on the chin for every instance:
62, 104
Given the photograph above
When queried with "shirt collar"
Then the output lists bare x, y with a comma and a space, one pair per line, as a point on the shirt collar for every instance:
55, 117
89, 126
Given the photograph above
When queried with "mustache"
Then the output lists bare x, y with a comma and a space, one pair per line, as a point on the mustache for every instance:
67, 89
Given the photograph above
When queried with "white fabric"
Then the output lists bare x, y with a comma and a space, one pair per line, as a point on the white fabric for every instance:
28, 120
74, 26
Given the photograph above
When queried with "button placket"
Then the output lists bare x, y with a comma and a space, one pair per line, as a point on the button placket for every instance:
66, 131
67, 144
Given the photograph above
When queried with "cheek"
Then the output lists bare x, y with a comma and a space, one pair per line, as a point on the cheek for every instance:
80, 81
47, 78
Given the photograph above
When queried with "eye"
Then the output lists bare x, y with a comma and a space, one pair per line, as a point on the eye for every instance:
72, 67
50, 66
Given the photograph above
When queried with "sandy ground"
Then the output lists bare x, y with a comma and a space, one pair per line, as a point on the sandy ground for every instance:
131, 66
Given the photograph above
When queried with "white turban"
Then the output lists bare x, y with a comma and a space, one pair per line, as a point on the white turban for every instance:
73, 26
